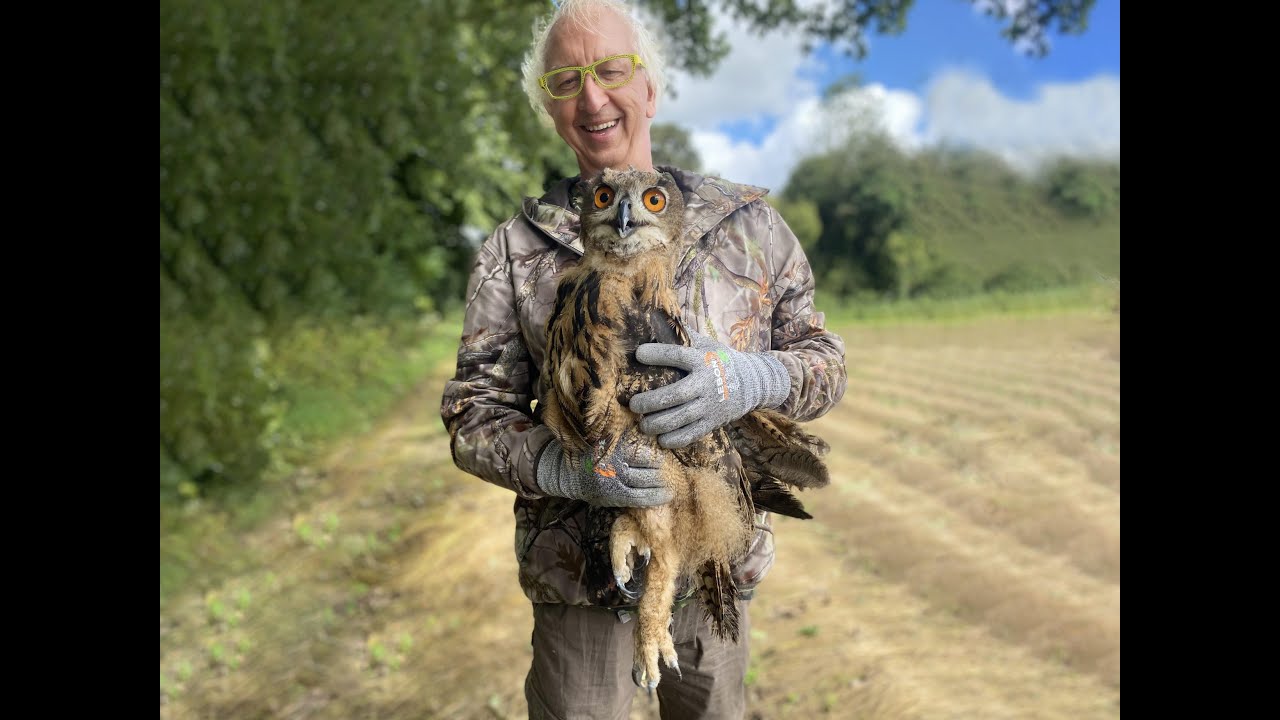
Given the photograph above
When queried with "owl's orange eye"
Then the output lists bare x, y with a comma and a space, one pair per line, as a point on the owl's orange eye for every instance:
654, 200
604, 196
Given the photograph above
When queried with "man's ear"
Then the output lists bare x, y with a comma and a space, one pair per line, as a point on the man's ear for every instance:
651, 108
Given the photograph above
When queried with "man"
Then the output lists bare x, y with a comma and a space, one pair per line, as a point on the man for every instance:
743, 280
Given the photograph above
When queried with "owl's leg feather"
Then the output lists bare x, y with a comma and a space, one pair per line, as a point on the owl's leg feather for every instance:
644, 671
653, 629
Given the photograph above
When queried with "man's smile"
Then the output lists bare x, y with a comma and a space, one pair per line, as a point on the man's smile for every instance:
601, 129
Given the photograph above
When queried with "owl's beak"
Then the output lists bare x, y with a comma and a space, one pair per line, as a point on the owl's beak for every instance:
624, 216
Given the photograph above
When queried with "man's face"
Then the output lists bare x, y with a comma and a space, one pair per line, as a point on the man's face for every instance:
605, 128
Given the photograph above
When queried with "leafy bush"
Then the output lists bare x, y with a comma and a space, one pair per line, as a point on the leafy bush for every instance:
221, 406
801, 216
899, 220
949, 280
1022, 277
1082, 188
321, 162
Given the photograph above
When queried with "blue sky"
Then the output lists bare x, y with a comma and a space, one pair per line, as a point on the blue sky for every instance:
943, 33
949, 77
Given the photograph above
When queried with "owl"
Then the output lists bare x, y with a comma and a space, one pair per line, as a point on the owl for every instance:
621, 295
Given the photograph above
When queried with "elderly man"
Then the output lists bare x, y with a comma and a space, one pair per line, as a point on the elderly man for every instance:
743, 280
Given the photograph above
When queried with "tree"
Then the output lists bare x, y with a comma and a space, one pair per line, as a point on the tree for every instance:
801, 216
911, 261
321, 161
864, 192
1083, 188
673, 146
687, 24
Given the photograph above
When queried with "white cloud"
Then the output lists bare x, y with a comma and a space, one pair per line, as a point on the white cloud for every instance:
1081, 119
809, 127
758, 78
763, 79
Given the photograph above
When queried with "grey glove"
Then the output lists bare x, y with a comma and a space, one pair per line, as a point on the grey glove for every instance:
626, 477
722, 386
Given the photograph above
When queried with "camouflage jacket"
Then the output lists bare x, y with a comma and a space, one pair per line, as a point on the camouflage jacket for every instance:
742, 278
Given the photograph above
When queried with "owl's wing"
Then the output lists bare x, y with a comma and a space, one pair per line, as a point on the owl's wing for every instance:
581, 362
777, 453
591, 372
648, 324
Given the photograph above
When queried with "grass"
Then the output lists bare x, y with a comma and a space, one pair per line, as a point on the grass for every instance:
1049, 241
1101, 295
338, 383
383, 593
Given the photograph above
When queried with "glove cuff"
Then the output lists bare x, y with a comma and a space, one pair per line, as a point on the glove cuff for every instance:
550, 469
776, 381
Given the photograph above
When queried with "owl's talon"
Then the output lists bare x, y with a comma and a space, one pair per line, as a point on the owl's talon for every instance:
644, 670
631, 587
667, 650
629, 555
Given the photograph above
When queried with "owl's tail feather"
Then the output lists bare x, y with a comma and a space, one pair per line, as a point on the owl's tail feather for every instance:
719, 595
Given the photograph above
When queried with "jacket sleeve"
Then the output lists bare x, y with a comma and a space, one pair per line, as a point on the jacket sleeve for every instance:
486, 407
812, 355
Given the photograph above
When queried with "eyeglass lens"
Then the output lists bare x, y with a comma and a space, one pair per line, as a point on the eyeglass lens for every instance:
610, 73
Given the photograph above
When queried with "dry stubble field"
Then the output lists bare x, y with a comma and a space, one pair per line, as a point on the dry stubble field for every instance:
965, 562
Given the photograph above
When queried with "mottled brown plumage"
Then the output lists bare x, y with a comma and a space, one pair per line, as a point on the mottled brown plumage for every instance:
620, 296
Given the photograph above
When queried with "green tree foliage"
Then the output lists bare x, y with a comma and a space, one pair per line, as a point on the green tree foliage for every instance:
949, 222
688, 26
220, 407
1083, 188
325, 155
801, 215
910, 261
672, 145
322, 161
863, 193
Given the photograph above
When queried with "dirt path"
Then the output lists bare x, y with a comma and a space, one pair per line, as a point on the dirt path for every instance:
965, 563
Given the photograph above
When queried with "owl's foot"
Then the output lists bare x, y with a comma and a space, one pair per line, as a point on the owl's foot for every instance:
644, 670
629, 554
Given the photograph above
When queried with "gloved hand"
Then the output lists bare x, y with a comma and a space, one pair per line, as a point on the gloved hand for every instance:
627, 477
722, 386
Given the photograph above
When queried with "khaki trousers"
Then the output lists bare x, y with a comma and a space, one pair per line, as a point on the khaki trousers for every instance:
582, 666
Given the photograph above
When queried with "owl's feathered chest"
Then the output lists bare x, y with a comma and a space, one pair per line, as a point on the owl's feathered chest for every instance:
603, 310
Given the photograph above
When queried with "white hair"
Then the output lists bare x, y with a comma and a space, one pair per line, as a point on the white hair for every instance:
584, 13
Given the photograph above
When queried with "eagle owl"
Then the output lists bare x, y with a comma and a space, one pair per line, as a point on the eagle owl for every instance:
621, 295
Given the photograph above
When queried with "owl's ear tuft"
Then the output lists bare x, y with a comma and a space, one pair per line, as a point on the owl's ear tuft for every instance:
581, 192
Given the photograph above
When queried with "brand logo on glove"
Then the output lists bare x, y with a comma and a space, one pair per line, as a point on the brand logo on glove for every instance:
602, 466
716, 363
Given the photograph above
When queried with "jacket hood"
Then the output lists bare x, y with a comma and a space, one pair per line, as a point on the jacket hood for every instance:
707, 200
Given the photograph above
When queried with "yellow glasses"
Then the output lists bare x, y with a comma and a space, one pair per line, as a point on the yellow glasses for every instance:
611, 72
